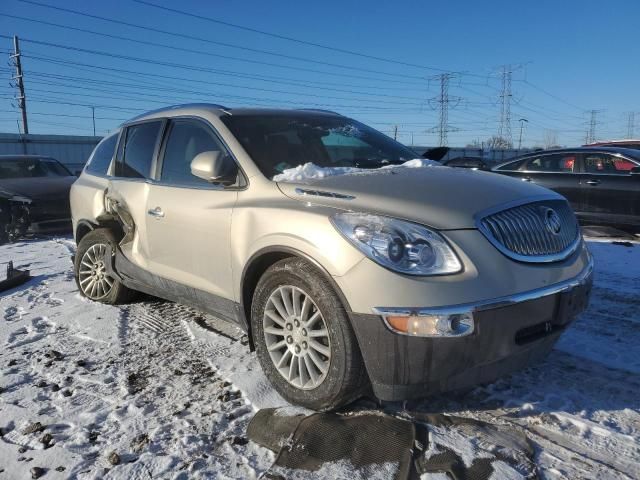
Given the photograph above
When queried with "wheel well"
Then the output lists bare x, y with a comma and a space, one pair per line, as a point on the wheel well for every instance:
85, 227
250, 279
256, 267
82, 229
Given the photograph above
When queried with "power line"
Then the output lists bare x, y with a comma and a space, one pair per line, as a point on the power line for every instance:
109, 71
40, 74
284, 37
66, 115
526, 82
223, 44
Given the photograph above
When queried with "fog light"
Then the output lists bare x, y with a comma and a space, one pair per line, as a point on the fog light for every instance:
434, 325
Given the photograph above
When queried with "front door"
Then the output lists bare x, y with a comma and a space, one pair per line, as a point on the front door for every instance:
189, 219
556, 171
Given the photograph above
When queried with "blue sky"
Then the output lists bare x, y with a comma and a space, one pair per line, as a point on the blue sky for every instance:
567, 57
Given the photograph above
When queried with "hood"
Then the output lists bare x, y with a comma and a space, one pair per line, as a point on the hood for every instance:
440, 197
38, 188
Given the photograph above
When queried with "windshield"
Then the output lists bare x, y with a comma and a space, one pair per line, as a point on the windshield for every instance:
280, 142
32, 167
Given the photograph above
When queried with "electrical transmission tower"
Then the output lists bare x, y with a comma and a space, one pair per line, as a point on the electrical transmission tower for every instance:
21, 98
504, 128
631, 120
593, 126
443, 102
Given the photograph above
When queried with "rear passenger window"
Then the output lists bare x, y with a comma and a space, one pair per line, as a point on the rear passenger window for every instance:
139, 146
552, 163
603, 163
102, 155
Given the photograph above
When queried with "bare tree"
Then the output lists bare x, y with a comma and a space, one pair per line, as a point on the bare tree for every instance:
496, 143
550, 139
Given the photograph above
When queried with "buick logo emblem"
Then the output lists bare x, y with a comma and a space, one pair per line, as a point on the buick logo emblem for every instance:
552, 220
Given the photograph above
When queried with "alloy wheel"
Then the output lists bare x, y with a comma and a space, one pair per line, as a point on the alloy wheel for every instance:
296, 337
92, 275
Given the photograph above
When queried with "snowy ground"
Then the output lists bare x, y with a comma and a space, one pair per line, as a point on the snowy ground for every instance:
171, 391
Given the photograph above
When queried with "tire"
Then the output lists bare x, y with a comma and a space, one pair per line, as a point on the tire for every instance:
90, 257
331, 353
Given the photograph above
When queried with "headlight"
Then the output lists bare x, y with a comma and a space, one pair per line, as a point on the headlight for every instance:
398, 245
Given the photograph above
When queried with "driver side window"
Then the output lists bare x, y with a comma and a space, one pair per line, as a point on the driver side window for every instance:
187, 139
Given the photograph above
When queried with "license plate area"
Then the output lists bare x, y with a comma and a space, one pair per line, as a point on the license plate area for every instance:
573, 302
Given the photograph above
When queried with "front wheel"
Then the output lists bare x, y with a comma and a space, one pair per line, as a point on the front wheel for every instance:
303, 337
90, 269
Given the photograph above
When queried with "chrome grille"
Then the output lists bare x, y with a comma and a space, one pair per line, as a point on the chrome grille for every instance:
543, 231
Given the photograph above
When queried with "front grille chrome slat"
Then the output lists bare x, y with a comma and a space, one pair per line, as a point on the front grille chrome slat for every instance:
540, 231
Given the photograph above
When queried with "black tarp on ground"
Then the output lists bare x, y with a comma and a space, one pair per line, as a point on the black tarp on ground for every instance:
371, 444
366, 442
13, 278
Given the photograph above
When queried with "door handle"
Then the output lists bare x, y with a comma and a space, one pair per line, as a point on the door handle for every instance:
592, 182
526, 179
156, 212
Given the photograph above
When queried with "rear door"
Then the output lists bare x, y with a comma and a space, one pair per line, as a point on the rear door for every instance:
128, 186
188, 220
611, 194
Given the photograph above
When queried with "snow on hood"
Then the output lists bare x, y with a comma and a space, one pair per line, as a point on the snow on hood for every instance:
311, 170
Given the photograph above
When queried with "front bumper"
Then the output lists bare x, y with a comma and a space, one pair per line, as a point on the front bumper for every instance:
509, 333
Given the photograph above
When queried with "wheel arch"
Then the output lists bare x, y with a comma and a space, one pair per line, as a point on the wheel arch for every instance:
85, 226
259, 262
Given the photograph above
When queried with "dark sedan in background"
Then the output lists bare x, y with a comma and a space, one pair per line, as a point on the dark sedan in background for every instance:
602, 184
34, 196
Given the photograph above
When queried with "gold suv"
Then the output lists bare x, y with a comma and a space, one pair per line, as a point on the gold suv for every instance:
352, 266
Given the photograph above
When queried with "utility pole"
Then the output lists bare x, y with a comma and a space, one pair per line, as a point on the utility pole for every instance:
395, 132
444, 101
504, 128
22, 99
93, 117
631, 120
593, 125
522, 122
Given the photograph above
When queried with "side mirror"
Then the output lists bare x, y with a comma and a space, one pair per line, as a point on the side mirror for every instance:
635, 171
214, 167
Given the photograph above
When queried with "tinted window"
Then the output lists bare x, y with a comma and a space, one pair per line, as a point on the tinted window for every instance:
102, 155
139, 146
603, 163
32, 167
511, 166
552, 163
187, 138
279, 142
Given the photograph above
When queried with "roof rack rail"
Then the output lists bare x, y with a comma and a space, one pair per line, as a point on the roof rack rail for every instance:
184, 105
319, 110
